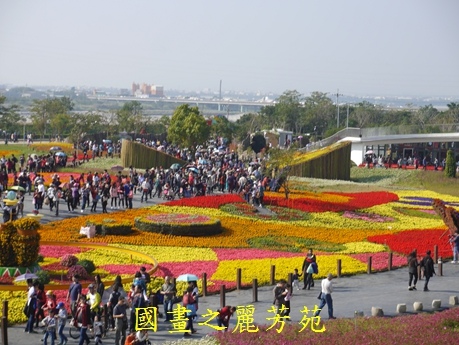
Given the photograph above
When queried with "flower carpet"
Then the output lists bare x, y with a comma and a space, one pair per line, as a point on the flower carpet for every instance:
346, 226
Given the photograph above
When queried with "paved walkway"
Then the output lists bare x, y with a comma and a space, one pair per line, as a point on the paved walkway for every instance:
351, 294
357, 293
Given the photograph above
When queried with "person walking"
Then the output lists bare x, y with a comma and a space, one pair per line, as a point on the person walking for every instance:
310, 258
325, 296
62, 320
120, 315
83, 314
454, 240
412, 270
189, 303
168, 290
427, 265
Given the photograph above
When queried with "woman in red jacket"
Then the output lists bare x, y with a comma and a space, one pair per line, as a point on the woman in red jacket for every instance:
82, 315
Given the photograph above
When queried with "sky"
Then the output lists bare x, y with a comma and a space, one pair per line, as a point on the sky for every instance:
361, 47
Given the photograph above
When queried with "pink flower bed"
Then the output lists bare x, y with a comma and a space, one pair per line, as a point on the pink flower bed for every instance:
369, 217
174, 269
123, 269
59, 251
248, 254
379, 261
178, 218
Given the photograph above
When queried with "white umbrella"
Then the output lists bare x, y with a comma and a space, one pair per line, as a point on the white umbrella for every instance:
187, 277
25, 276
369, 152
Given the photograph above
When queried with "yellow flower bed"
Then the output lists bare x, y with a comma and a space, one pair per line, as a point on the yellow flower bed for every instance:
362, 247
177, 254
16, 301
260, 268
105, 257
66, 147
8, 153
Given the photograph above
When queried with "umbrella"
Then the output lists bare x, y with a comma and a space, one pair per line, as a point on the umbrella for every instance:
187, 277
17, 188
369, 152
117, 167
175, 166
55, 148
25, 276
60, 154
194, 170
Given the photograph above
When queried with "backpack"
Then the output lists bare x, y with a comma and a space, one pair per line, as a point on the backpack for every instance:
114, 297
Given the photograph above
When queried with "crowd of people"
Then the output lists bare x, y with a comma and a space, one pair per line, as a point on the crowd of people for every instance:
84, 309
209, 171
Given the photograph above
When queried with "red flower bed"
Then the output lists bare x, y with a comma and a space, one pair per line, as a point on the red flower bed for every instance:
356, 201
422, 240
380, 261
210, 201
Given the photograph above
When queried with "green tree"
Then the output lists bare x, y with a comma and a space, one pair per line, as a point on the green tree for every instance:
188, 128
82, 124
60, 123
258, 143
279, 163
289, 110
9, 116
245, 126
43, 111
450, 167
129, 117
320, 113
222, 127
364, 114
424, 116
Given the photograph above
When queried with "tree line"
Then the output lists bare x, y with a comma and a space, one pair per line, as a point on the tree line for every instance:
315, 114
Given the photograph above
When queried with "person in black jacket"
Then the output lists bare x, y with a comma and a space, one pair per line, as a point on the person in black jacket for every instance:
427, 265
412, 270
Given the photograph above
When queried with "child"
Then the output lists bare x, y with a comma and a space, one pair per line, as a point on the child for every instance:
50, 301
98, 330
287, 298
296, 280
62, 320
50, 323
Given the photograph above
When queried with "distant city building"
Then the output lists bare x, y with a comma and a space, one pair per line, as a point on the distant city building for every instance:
142, 90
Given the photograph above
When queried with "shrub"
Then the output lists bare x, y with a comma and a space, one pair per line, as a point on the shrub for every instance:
179, 224
450, 168
68, 260
88, 265
123, 228
77, 269
43, 277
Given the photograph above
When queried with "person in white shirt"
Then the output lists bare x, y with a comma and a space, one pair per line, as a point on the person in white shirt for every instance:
325, 296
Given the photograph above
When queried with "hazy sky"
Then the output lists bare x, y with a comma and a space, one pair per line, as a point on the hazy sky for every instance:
361, 47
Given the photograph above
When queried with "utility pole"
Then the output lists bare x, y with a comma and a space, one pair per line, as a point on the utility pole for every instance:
220, 89
337, 107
